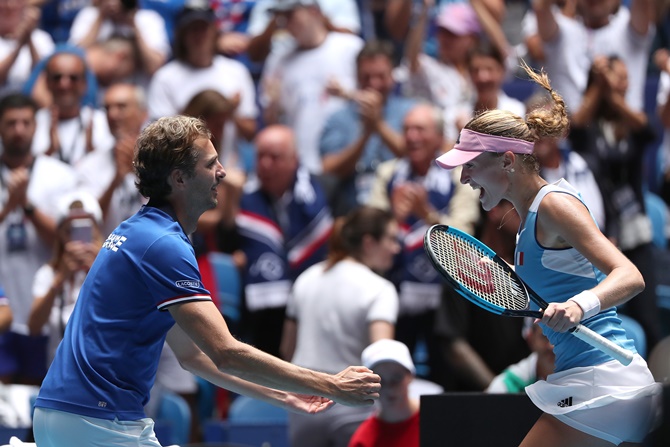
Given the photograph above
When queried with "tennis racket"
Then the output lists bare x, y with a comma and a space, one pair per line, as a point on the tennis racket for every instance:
478, 274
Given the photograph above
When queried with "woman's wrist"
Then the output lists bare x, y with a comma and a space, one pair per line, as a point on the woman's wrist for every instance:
588, 302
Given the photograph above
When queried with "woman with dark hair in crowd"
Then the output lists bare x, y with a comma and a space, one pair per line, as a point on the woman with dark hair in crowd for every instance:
337, 308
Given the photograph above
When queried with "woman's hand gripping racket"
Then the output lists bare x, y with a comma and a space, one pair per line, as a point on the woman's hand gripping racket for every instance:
477, 273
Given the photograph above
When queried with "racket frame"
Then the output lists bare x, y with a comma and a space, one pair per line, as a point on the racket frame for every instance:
580, 331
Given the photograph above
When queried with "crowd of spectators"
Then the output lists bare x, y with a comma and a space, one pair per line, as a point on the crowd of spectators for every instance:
319, 107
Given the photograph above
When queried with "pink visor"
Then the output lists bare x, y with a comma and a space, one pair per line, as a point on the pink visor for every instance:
471, 144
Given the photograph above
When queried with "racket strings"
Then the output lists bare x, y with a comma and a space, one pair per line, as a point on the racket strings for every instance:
474, 269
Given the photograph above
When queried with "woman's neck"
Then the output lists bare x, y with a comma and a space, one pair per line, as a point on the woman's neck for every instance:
525, 188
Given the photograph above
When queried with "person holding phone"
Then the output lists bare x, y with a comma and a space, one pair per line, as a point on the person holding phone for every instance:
57, 283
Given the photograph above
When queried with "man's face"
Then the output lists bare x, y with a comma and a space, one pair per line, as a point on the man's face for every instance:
596, 11
276, 163
422, 136
208, 173
453, 48
17, 127
124, 114
487, 74
298, 22
376, 73
199, 35
66, 80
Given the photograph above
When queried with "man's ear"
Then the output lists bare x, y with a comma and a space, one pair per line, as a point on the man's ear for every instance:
176, 179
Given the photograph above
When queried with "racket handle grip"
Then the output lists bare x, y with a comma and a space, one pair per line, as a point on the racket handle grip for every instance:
596, 340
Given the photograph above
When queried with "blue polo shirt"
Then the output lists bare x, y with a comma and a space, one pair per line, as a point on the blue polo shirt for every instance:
107, 361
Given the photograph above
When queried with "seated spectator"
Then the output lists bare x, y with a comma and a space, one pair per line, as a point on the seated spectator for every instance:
375, 112
336, 309
537, 366
108, 18
5, 312
56, 284
283, 221
396, 423
294, 84
109, 174
196, 67
68, 129
22, 43
419, 194
33, 184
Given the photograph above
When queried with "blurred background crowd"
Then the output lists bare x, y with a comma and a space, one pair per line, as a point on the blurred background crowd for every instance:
327, 115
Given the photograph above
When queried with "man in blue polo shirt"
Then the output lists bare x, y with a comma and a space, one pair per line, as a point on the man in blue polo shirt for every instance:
144, 280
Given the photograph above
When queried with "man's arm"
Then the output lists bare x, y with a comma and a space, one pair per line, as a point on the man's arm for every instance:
204, 324
547, 27
194, 360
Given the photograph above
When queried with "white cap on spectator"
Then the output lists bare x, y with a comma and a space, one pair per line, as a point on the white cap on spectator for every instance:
387, 350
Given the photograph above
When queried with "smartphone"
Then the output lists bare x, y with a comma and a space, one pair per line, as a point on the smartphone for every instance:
81, 230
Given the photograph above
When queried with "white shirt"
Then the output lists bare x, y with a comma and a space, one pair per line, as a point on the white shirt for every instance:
63, 304
72, 134
570, 55
150, 24
176, 83
661, 98
303, 76
334, 309
23, 65
50, 180
341, 13
95, 173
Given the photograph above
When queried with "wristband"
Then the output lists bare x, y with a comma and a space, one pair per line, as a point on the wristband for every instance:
589, 303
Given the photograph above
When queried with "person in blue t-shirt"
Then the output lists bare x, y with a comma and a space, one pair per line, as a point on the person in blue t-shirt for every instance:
590, 399
143, 281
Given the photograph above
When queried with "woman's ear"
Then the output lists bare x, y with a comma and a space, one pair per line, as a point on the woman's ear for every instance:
508, 160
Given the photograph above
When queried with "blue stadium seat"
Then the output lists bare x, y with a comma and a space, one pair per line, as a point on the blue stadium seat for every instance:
229, 285
657, 211
636, 333
173, 419
250, 421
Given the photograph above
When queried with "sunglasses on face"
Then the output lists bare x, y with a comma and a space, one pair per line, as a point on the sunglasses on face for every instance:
56, 77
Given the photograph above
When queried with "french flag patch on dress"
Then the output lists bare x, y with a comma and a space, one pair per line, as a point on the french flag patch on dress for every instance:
519, 258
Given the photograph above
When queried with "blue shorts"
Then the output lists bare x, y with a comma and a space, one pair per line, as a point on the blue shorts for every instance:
54, 428
23, 356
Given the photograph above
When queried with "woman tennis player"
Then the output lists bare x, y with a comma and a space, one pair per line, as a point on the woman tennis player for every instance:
591, 399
